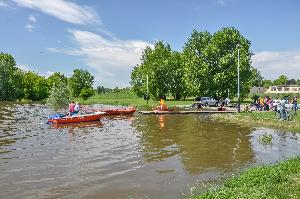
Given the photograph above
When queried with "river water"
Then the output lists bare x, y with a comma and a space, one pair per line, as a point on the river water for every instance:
140, 156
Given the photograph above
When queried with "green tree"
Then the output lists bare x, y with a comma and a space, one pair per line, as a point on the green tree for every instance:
155, 64
11, 78
211, 63
267, 83
86, 93
176, 83
291, 82
35, 86
100, 89
257, 79
138, 80
196, 63
59, 95
55, 78
80, 80
282, 80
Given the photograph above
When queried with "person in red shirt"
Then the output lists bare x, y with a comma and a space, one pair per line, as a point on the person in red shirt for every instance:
71, 107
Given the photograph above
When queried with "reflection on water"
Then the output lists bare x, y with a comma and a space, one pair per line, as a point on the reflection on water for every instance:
140, 156
202, 144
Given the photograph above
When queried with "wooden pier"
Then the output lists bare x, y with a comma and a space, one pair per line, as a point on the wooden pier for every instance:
186, 112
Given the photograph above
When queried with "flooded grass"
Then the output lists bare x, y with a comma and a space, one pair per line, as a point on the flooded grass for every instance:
261, 119
276, 181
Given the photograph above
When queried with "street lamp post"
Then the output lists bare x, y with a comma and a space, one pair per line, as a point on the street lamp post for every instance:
238, 46
147, 88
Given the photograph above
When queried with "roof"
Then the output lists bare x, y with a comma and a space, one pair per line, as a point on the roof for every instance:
286, 86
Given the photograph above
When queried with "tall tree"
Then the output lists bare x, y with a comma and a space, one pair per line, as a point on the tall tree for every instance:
138, 81
35, 86
282, 80
211, 63
81, 80
257, 79
176, 83
10, 78
196, 63
55, 78
155, 64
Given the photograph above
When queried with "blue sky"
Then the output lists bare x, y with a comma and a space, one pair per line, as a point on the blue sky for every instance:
107, 37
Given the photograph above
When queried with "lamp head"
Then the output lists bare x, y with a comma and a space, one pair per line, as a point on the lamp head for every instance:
238, 46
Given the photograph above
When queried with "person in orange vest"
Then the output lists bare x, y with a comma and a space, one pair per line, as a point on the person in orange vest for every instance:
261, 103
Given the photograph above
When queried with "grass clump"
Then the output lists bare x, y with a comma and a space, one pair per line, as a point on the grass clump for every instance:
276, 181
266, 139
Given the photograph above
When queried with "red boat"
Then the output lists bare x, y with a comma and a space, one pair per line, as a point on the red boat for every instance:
116, 111
76, 118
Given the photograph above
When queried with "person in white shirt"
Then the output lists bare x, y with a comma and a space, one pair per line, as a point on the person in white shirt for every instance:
77, 108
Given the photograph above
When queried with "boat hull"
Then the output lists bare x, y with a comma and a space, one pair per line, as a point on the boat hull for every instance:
76, 119
119, 111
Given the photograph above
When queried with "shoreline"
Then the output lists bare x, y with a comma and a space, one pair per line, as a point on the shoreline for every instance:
280, 180
261, 119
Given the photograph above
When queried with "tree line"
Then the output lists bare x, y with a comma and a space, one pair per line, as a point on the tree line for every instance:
17, 84
207, 66
281, 80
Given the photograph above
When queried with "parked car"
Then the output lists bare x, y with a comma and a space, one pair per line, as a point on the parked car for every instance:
207, 101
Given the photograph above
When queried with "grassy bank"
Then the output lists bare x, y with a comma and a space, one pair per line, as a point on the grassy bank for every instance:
263, 119
277, 181
129, 99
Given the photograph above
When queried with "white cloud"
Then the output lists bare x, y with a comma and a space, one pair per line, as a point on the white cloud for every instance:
113, 59
272, 64
64, 10
29, 27
32, 18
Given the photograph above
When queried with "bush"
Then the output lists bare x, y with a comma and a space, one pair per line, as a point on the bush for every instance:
59, 96
86, 93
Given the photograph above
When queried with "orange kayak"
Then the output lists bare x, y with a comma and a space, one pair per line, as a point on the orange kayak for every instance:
76, 118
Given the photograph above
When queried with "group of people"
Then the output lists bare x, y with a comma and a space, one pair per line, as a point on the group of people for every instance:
264, 103
74, 108
282, 107
267, 103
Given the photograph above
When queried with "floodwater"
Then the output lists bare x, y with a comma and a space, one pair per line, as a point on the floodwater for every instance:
140, 156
